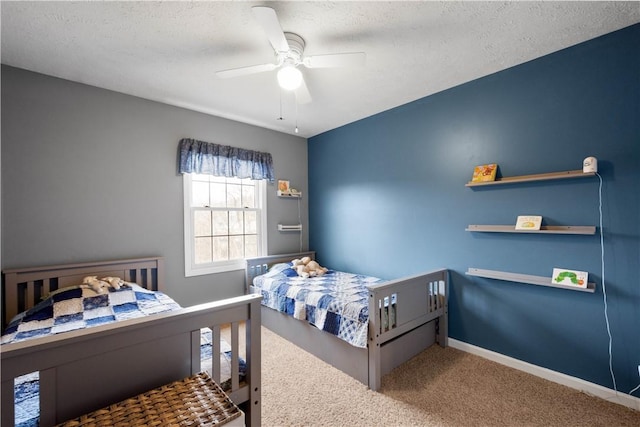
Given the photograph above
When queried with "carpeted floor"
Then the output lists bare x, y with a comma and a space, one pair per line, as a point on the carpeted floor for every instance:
439, 387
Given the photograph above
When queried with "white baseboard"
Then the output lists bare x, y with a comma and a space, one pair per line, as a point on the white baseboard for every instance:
557, 377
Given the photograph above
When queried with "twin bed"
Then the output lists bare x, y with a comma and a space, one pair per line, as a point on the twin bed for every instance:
87, 369
376, 326
361, 325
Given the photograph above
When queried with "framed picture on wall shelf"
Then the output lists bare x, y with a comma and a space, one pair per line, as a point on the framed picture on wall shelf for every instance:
528, 222
484, 173
563, 276
283, 186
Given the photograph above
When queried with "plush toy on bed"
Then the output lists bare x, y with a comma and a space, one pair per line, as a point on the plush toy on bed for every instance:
306, 267
101, 286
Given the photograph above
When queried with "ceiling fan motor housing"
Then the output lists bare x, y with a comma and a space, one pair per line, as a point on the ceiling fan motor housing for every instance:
296, 48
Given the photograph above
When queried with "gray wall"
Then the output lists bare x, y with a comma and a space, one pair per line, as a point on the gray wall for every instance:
90, 174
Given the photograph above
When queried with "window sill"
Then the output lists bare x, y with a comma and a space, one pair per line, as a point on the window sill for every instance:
201, 271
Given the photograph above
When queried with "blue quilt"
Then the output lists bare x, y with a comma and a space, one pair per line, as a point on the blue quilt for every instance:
336, 302
80, 307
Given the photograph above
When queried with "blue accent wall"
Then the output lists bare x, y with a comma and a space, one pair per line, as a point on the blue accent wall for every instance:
388, 198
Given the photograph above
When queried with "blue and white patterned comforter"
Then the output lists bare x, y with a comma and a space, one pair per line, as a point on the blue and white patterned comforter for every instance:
336, 302
80, 307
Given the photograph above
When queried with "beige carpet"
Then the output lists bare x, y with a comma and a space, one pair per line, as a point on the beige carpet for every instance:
439, 387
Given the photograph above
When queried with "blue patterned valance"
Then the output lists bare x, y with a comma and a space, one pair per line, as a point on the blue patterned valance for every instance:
221, 160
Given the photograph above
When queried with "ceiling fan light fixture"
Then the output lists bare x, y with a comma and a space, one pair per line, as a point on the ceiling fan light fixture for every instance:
289, 77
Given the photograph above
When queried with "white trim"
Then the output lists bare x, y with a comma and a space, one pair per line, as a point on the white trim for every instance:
554, 376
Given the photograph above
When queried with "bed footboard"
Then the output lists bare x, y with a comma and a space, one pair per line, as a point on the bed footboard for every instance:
401, 308
106, 364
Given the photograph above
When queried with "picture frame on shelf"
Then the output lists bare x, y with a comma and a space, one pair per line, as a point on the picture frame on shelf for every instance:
528, 222
283, 186
484, 173
564, 276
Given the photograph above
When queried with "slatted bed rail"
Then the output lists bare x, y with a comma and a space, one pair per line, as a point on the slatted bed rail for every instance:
106, 364
401, 318
414, 301
24, 287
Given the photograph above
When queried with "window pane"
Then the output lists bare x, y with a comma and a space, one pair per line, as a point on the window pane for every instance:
200, 193
234, 196
220, 248
250, 246
220, 223
236, 247
202, 223
248, 196
226, 219
251, 222
236, 225
203, 250
218, 196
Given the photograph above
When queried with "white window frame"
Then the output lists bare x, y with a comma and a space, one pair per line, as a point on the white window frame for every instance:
190, 266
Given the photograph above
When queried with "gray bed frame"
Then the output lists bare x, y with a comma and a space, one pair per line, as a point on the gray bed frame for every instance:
420, 316
85, 370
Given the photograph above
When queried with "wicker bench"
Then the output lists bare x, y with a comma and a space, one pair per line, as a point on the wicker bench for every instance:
194, 401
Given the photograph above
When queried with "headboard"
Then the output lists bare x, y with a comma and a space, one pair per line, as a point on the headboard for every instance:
257, 266
22, 288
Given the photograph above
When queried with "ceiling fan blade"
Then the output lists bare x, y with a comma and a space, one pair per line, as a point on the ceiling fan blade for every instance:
302, 93
243, 71
356, 59
269, 21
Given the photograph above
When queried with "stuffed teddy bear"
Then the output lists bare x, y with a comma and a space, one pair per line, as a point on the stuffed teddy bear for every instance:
115, 282
306, 267
101, 286
98, 286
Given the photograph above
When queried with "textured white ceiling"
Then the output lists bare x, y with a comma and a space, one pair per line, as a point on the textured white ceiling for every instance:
169, 51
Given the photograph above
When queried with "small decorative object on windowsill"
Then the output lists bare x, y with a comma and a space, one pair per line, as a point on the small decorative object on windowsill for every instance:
484, 173
529, 222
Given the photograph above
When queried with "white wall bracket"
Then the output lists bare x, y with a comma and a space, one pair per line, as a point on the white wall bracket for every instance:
293, 227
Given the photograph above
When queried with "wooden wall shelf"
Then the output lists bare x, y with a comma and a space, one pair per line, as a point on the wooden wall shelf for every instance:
531, 178
545, 229
525, 278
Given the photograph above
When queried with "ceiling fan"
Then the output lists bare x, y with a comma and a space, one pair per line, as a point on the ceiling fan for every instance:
289, 53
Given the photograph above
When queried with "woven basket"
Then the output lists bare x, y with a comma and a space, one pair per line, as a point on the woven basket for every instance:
194, 401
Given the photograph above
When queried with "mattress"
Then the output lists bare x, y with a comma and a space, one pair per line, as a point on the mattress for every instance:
336, 302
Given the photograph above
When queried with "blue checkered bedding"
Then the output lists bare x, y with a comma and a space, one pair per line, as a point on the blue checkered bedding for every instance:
80, 307
336, 302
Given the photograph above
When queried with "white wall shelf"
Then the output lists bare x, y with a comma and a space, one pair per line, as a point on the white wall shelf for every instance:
289, 227
530, 178
545, 229
289, 195
525, 278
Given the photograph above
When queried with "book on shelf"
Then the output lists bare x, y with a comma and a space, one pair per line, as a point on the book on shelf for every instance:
528, 222
484, 173
563, 276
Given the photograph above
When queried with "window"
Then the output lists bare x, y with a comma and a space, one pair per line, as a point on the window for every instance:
225, 222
